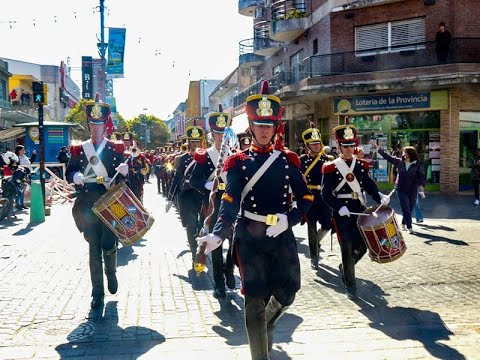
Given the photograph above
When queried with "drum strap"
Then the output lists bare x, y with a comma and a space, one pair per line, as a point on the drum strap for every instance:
253, 180
98, 167
344, 170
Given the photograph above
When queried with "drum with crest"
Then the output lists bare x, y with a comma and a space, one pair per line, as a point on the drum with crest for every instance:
123, 213
381, 233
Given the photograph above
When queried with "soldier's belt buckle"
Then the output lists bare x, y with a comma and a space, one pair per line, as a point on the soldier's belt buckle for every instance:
354, 196
271, 220
221, 186
100, 180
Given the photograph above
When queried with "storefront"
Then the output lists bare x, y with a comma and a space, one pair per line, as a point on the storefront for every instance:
469, 142
395, 121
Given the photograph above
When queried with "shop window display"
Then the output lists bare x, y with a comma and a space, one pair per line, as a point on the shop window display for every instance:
396, 130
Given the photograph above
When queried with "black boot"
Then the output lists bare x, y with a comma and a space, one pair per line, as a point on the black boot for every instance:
110, 259
97, 299
230, 280
313, 244
273, 311
256, 327
314, 262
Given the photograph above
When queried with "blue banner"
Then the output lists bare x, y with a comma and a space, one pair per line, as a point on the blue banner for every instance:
116, 51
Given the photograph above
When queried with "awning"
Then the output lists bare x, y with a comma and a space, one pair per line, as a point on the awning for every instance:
11, 133
240, 123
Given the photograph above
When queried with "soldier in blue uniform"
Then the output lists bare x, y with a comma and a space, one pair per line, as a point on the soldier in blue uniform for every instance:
311, 166
201, 179
257, 200
345, 181
92, 165
189, 199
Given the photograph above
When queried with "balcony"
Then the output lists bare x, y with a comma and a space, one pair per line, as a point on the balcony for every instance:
5, 105
247, 56
290, 19
263, 45
418, 62
247, 7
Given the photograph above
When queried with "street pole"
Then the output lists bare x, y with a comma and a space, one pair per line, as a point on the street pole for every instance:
102, 47
42, 150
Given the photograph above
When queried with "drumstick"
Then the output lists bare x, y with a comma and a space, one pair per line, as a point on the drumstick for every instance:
114, 176
380, 205
359, 214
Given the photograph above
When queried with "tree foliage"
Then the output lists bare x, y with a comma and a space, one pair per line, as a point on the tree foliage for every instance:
159, 133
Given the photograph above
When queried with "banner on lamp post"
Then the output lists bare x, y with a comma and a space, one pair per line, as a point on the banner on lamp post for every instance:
116, 52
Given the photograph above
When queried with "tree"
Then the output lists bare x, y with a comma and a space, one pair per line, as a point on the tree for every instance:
140, 125
77, 115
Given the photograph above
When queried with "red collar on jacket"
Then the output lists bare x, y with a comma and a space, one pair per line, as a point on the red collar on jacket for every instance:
261, 150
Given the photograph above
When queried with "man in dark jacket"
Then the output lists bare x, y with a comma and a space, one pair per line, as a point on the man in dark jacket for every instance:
91, 167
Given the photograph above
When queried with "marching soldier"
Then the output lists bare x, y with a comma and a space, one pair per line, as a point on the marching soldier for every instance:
189, 199
311, 166
92, 165
137, 170
256, 199
245, 140
202, 179
344, 182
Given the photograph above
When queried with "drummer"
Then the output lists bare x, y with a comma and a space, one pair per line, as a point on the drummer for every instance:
91, 166
345, 180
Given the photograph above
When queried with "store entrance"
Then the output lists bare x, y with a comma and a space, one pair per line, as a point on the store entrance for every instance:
468, 146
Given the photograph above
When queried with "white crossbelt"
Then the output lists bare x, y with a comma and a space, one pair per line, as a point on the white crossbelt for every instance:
256, 217
355, 196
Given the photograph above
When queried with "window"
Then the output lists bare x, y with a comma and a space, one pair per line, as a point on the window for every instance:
390, 37
277, 69
296, 66
315, 46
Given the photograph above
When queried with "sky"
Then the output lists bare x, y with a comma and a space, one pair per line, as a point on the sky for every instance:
168, 43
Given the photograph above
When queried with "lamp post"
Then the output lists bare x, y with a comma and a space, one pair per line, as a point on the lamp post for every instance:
102, 48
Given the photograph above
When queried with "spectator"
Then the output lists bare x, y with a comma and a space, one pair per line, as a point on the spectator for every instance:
475, 176
63, 157
334, 152
442, 40
417, 210
410, 176
24, 162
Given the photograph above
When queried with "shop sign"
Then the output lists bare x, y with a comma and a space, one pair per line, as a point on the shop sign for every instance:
434, 100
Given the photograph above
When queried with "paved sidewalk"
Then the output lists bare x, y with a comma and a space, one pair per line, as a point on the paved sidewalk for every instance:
421, 306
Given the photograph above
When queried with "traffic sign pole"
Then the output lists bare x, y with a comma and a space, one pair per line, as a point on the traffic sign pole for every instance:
42, 151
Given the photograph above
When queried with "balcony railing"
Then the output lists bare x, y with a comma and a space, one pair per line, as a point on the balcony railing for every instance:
247, 55
462, 50
262, 44
5, 104
290, 9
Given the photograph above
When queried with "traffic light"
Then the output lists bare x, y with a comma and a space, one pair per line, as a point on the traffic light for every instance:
39, 90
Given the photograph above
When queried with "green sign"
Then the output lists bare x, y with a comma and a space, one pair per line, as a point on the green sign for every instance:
434, 100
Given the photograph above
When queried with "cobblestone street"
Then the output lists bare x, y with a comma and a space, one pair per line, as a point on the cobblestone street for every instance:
421, 306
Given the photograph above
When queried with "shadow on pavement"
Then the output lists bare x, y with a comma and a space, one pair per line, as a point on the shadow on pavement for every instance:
330, 277
10, 221
406, 323
430, 238
232, 324
25, 230
127, 253
283, 334
109, 340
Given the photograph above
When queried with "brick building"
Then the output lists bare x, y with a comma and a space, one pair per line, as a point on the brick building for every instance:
376, 62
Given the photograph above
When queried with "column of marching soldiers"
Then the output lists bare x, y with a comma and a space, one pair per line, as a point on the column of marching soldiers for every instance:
245, 192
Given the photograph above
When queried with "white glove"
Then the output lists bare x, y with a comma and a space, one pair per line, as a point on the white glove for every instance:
281, 226
78, 179
384, 199
344, 211
212, 241
122, 169
168, 206
209, 185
